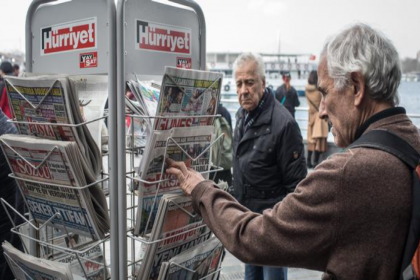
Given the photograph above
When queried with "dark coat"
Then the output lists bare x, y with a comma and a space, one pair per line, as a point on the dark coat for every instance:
268, 162
291, 98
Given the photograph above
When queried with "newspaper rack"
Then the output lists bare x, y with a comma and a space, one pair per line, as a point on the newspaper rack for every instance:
45, 243
130, 175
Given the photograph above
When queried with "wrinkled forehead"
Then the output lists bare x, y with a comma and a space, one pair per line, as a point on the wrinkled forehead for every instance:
246, 69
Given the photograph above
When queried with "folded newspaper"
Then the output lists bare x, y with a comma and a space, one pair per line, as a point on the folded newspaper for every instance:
92, 260
187, 93
178, 228
196, 263
92, 263
142, 102
195, 144
25, 266
56, 99
83, 211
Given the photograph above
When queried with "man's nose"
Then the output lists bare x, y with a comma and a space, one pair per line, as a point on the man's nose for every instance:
322, 109
242, 89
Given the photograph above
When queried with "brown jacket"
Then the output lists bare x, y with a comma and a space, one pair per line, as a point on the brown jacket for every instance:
317, 127
349, 217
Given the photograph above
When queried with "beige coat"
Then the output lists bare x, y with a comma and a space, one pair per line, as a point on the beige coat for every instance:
317, 127
349, 217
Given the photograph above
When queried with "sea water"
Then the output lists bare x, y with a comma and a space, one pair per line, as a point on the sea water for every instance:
409, 95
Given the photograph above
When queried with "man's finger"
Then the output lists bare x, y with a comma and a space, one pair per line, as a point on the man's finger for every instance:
174, 171
178, 164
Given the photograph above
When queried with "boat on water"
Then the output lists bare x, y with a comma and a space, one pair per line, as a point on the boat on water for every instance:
299, 66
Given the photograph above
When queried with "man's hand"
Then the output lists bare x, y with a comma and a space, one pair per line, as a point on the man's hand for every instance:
187, 178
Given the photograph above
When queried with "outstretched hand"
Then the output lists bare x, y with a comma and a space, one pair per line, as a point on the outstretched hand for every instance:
187, 177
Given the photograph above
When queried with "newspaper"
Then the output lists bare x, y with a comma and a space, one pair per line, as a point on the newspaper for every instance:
188, 93
59, 238
144, 103
204, 259
92, 261
24, 265
82, 211
194, 141
92, 91
53, 99
178, 227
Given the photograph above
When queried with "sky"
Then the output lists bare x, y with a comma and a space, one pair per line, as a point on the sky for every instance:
270, 26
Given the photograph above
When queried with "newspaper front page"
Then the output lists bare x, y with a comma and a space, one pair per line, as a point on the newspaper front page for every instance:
194, 142
36, 268
92, 262
188, 93
53, 100
82, 211
204, 259
178, 227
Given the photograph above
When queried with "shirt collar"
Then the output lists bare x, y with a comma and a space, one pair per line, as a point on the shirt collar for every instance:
379, 116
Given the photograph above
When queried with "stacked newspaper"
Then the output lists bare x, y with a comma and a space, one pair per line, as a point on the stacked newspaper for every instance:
25, 266
55, 100
196, 263
92, 262
143, 102
91, 257
178, 228
187, 93
45, 165
186, 145
146, 96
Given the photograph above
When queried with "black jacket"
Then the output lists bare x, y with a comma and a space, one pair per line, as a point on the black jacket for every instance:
268, 162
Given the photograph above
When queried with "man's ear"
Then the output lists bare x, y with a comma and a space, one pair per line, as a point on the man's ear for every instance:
263, 82
359, 88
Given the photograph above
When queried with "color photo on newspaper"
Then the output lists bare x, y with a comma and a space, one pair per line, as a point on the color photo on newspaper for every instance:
187, 93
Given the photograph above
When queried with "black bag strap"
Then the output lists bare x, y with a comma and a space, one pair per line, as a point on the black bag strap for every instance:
393, 144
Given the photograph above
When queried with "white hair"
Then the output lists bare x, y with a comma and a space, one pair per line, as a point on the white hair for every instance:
247, 57
360, 48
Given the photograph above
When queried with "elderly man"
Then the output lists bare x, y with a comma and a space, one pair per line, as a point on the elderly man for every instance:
350, 217
268, 154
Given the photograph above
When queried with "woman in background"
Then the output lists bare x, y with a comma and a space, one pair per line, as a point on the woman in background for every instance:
317, 127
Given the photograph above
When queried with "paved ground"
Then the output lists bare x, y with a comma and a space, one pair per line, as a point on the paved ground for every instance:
233, 269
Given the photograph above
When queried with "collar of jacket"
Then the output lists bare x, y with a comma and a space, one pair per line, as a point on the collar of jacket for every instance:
265, 116
378, 116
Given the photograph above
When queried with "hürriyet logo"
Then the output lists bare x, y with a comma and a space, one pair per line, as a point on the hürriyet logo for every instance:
161, 37
70, 36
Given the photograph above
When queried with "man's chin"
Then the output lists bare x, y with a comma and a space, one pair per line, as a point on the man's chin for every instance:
248, 107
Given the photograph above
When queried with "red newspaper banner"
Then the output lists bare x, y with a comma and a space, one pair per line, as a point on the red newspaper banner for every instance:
160, 37
69, 36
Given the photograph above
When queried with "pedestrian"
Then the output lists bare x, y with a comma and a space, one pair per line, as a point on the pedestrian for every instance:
222, 150
287, 95
6, 69
350, 216
16, 70
317, 132
268, 153
11, 194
